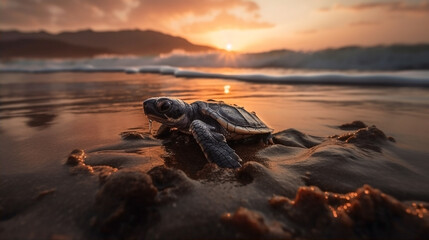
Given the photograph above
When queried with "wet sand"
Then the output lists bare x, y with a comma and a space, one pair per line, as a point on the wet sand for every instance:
321, 179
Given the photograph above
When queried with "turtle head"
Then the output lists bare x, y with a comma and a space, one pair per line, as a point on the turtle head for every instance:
172, 112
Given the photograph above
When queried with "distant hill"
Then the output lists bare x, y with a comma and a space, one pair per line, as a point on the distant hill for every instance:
126, 42
45, 48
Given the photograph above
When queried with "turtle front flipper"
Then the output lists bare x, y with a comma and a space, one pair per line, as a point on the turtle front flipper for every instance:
214, 145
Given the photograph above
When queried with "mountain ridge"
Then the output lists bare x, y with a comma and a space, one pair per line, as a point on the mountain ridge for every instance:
124, 42
46, 48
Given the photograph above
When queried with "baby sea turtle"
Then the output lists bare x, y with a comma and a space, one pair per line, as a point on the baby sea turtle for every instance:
211, 123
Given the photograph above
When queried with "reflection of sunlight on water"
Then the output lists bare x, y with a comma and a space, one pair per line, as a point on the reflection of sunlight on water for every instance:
226, 89
229, 58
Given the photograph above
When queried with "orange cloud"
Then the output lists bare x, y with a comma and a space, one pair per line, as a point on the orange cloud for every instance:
164, 15
55, 14
363, 23
396, 6
224, 21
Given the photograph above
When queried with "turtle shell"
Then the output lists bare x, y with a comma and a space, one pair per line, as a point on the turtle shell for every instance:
235, 119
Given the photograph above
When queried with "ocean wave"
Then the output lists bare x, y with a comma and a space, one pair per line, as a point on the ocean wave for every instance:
395, 57
374, 79
289, 67
320, 79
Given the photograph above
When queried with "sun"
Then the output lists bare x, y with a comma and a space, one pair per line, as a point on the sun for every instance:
229, 47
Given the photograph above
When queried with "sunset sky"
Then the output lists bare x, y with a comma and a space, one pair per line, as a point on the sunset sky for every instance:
246, 25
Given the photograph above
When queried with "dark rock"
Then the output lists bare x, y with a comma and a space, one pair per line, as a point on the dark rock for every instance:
247, 221
364, 135
253, 224
355, 125
76, 157
369, 137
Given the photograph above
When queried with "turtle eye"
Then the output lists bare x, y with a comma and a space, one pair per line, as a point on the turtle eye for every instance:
163, 106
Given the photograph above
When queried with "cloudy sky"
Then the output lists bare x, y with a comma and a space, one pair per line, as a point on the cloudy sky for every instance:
247, 25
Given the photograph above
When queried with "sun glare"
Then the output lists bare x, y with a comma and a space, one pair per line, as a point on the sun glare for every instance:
229, 47
226, 89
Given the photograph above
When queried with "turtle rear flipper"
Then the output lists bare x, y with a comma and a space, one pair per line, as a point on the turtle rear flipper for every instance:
214, 145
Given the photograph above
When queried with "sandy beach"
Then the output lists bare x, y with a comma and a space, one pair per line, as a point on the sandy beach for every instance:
319, 180
214, 119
